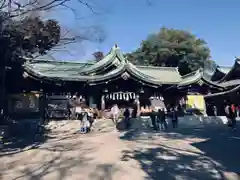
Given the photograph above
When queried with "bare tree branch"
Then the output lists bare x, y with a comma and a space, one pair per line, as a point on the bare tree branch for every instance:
17, 8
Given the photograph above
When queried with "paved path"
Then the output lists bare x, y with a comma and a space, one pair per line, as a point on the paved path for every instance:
187, 154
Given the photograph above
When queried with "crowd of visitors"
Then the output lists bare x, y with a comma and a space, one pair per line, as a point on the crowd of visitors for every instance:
127, 114
231, 111
158, 118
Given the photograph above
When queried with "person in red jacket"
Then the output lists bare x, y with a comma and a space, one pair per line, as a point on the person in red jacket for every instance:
233, 116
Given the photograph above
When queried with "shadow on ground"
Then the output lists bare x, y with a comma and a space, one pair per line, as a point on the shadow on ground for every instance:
22, 136
60, 161
216, 152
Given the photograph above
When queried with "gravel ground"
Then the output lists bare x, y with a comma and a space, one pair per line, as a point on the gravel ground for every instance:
139, 154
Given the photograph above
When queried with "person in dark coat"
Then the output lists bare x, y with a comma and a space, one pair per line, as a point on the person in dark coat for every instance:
153, 115
134, 112
174, 118
230, 110
126, 115
162, 119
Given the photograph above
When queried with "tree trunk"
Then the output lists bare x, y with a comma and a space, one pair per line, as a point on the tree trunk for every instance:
2, 90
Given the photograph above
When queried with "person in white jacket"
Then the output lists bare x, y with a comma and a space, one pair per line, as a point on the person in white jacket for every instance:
115, 113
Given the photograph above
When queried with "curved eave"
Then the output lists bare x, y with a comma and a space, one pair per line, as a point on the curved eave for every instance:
79, 78
133, 74
115, 74
195, 77
222, 93
107, 61
217, 75
198, 78
237, 63
219, 70
212, 84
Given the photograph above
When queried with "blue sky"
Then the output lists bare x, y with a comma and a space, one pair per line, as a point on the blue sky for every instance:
128, 22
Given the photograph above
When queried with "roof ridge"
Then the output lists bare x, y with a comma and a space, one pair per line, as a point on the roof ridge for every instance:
191, 73
155, 67
223, 66
56, 61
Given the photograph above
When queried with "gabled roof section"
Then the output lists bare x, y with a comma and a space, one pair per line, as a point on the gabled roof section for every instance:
168, 75
234, 72
56, 68
223, 69
219, 73
214, 72
197, 77
114, 57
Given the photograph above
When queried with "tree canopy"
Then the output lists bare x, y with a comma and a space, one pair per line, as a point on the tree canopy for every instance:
172, 48
24, 38
23, 33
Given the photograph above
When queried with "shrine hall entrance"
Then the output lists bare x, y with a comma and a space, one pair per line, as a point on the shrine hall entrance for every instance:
122, 99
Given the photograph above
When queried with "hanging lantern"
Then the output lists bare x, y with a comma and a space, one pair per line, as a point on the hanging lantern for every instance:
130, 95
25, 75
127, 97
151, 98
141, 91
134, 96
105, 90
121, 95
118, 96
124, 96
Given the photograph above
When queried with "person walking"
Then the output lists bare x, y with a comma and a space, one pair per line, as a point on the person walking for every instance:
115, 112
153, 119
162, 119
174, 118
85, 124
234, 115
231, 115
126, 115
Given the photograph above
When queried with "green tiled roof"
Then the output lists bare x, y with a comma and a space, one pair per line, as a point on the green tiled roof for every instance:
191, 78
113, 65
197, 77
74, 71
168, 75
55, 68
